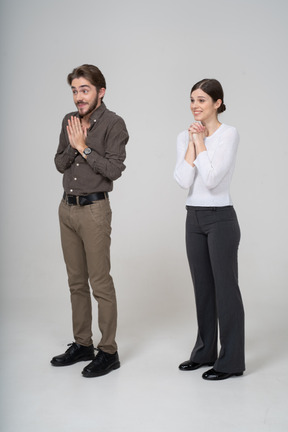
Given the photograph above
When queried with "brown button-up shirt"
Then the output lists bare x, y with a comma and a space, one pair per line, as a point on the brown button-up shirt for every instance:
107, 137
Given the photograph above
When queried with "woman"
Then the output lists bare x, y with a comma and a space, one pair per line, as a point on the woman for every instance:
206, 155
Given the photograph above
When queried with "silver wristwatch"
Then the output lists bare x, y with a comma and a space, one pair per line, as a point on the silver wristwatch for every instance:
87, 151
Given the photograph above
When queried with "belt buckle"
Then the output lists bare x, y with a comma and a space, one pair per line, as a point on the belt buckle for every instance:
69, 200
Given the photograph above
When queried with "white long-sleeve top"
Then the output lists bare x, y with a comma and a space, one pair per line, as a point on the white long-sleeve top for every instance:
209, 180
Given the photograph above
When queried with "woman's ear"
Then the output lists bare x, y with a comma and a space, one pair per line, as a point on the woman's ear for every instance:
218, 103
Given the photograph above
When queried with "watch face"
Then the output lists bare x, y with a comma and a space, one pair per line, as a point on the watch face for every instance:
87, 151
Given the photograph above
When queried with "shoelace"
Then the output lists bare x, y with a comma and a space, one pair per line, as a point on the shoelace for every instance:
72, 344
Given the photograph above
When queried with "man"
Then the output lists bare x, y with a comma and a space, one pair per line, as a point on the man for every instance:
90, 156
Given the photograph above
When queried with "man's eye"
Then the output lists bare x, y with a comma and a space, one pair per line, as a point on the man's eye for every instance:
74, 92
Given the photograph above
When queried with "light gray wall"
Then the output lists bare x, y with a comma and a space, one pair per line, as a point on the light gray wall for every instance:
151, 53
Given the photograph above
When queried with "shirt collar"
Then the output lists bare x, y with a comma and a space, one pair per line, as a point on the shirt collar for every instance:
95, 116
97, 113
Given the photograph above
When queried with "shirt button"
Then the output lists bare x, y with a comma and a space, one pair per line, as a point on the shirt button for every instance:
77, 164
94, 121
71, 190
76, 152
75, 178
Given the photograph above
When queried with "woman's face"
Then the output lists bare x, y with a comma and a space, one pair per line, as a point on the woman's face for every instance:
203, 107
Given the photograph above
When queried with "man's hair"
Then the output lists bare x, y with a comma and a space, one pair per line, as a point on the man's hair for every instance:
89, 72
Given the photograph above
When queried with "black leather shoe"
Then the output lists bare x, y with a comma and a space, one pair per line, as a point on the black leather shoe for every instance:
101, 365
213, 375
75, 353
189, 365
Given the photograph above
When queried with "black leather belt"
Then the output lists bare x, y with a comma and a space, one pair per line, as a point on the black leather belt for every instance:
83, 200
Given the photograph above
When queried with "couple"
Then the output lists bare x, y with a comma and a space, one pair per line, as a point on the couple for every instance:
91, 155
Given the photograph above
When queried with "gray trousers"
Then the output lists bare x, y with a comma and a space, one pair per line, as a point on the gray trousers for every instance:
212, 240
85, 237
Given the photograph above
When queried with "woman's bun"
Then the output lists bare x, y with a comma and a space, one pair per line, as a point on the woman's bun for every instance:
222, 108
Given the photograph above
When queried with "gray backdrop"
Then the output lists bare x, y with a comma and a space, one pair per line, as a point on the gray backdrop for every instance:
151, 53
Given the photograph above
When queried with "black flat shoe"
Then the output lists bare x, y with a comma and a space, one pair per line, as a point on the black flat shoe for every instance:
213, 375
189, 365
101, 365
75, 353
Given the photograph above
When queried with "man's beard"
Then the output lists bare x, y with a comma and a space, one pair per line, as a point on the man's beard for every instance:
92, 107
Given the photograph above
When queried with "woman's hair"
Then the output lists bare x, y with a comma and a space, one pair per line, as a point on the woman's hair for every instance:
214, 89
89, 72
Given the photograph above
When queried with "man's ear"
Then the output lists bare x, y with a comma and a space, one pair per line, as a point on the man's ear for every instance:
102, 92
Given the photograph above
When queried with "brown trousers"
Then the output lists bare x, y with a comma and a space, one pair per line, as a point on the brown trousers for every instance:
85, 238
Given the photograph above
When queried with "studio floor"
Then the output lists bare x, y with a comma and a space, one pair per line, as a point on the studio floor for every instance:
148, 393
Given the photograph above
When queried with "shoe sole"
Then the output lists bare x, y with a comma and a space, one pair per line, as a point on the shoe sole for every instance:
97, 374
88, 358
